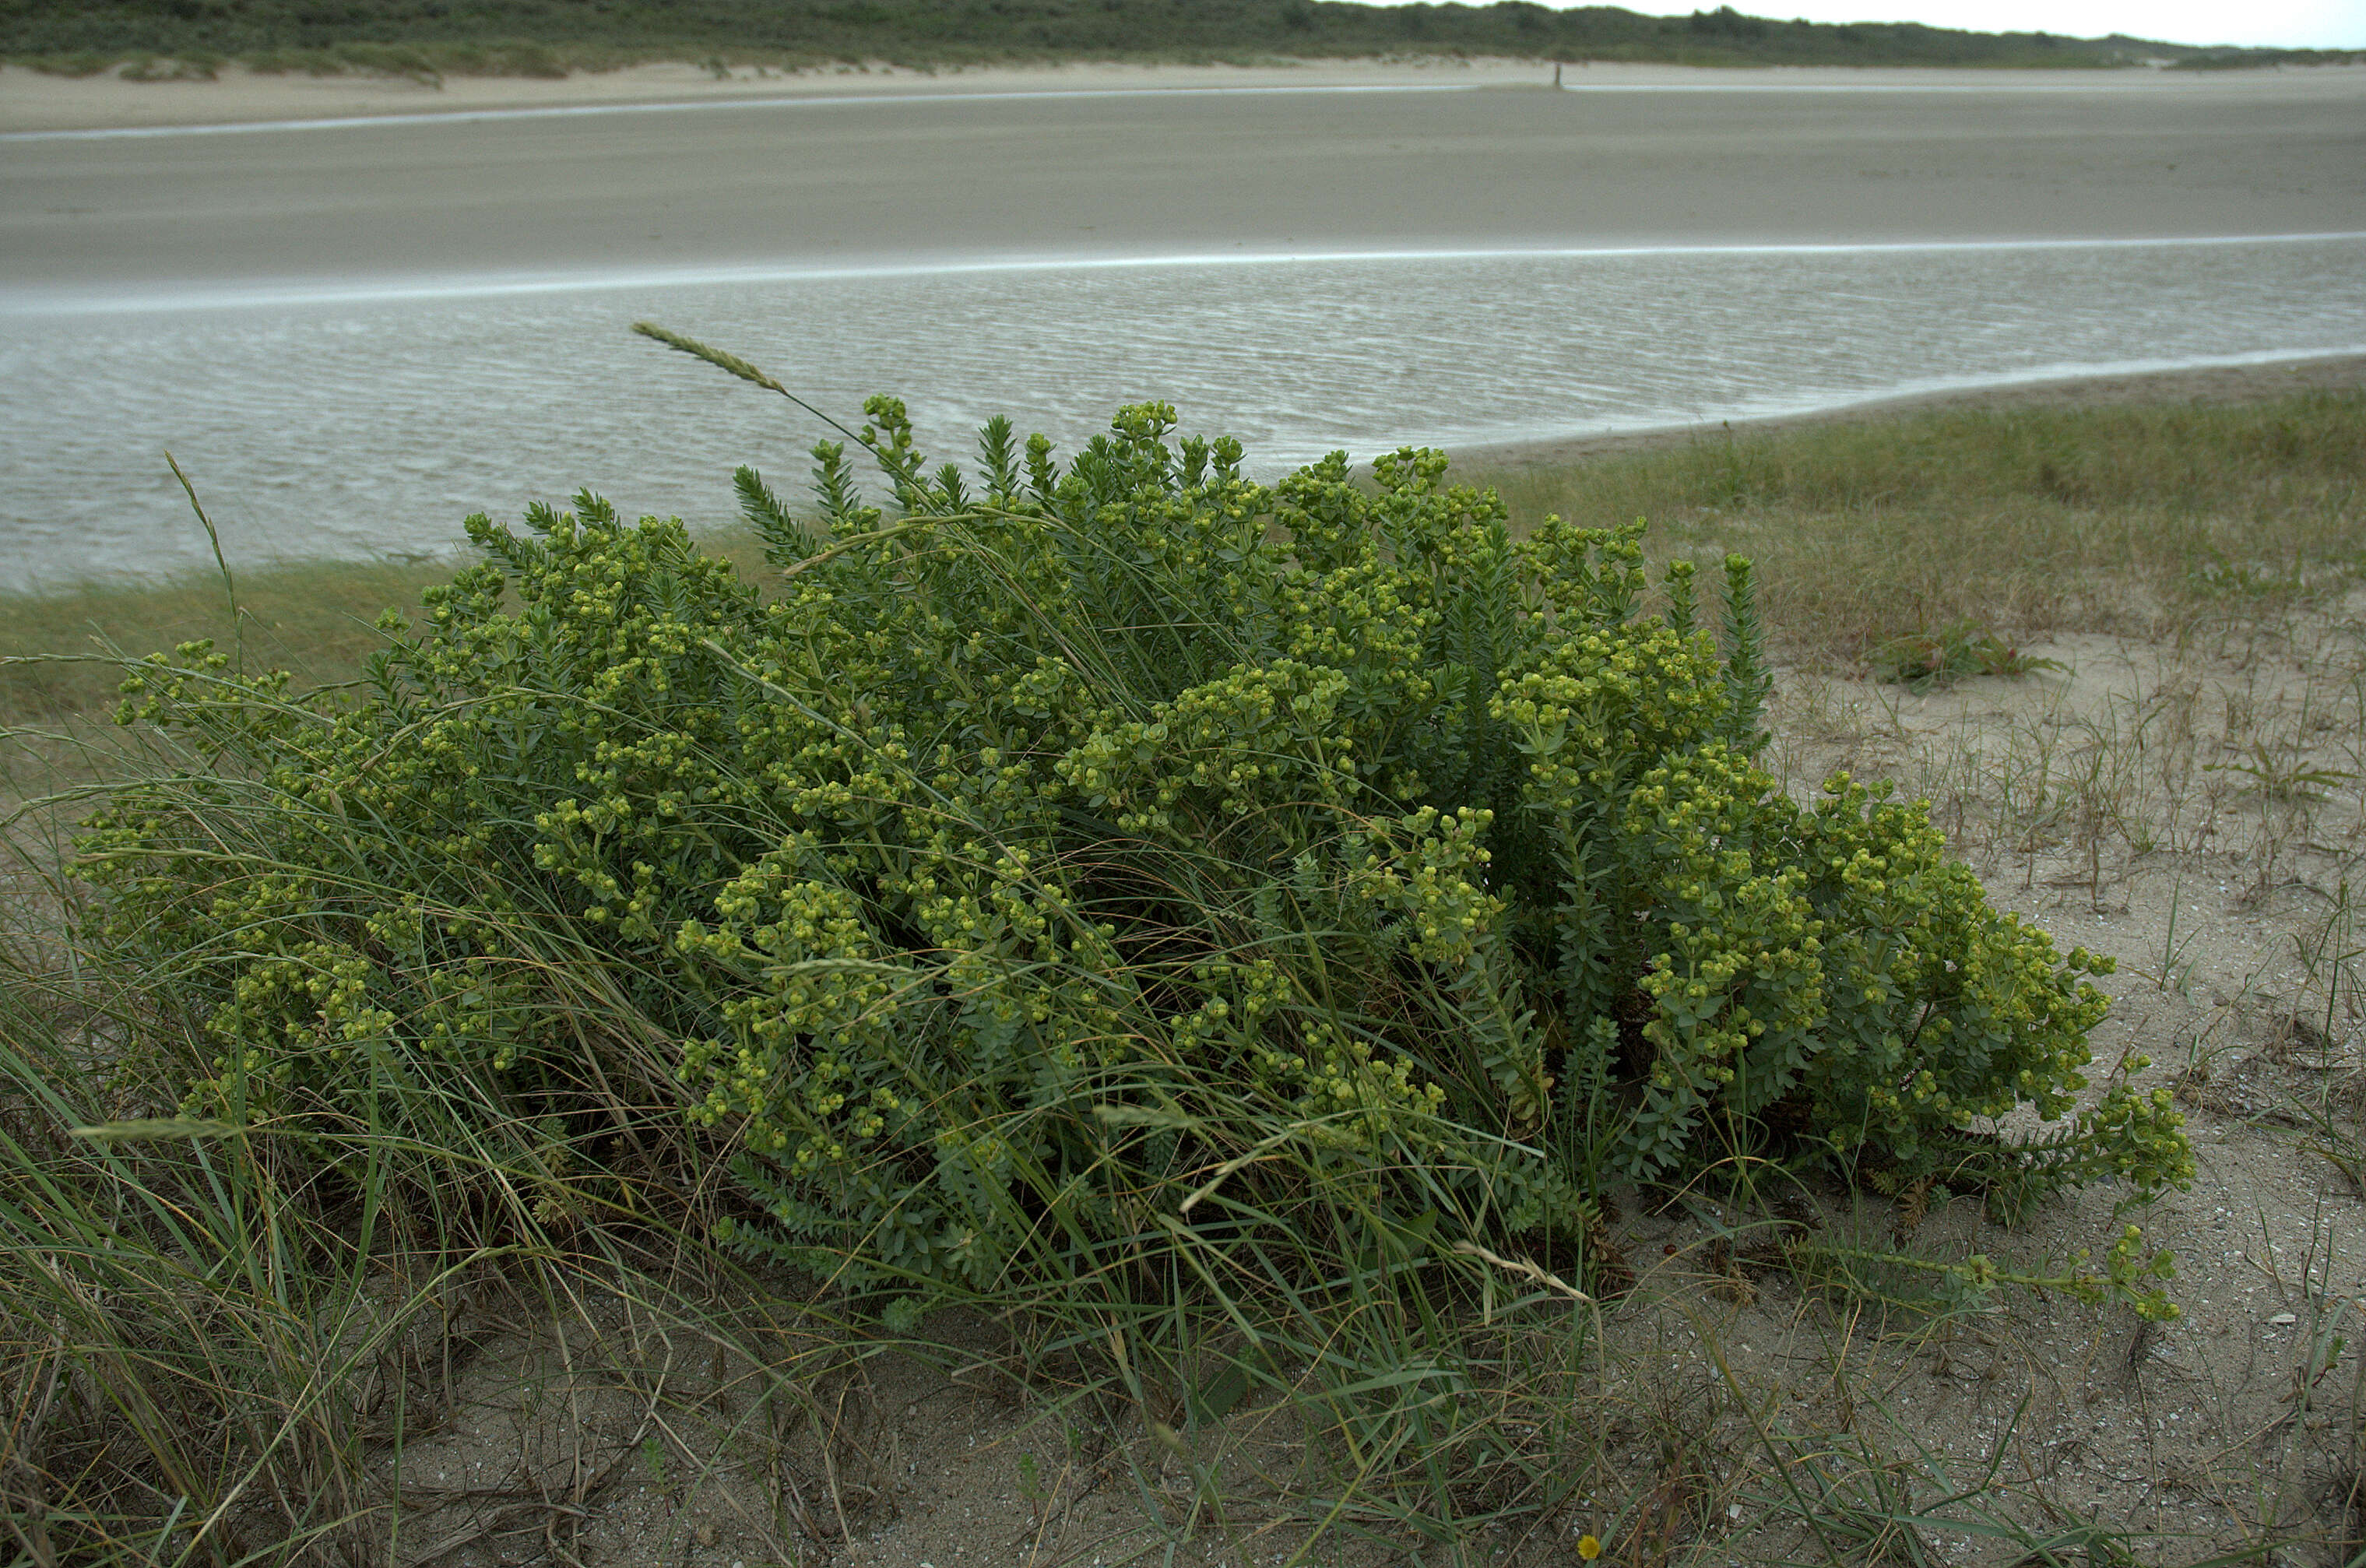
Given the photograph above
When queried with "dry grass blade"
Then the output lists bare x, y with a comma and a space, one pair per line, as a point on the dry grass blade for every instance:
1524, 1269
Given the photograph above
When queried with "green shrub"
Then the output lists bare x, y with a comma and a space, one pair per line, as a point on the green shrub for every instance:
1098, 863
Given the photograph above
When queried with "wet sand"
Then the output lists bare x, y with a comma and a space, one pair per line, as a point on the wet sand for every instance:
850, 171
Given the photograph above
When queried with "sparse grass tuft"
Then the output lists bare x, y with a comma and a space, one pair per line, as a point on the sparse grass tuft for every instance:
59, 652
2035, 522
314, 618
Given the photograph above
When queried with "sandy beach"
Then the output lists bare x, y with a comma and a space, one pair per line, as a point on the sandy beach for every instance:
654, 167
36, 101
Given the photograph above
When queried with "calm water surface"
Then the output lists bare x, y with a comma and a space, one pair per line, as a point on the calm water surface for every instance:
359, 426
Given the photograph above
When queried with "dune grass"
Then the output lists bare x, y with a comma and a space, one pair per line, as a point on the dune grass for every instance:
2028, 521
216, 1343
920, 32
315, 620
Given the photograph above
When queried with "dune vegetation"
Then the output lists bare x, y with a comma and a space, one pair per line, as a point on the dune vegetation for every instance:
540, 38
1246, 945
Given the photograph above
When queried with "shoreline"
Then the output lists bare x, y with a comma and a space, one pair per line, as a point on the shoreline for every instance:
2210, 384
35, 102
1492, 460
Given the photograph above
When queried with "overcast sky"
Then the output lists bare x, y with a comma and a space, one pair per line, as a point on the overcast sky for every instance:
2293, 24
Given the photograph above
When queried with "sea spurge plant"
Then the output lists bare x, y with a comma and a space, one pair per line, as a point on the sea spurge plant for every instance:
1047, 845
2127, 1277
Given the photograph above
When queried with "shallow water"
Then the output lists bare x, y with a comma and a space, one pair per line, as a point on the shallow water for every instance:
371, 421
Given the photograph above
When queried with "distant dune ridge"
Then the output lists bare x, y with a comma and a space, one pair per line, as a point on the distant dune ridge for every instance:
548, 37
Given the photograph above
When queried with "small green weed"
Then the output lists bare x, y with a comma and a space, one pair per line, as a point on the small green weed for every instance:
1922, 661
2215, 576
2281, 773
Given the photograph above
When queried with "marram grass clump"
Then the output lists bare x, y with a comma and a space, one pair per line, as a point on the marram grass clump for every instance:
1090, 866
